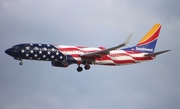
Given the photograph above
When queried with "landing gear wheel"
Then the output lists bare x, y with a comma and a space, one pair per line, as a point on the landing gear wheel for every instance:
79, 69
87, 67
20, 63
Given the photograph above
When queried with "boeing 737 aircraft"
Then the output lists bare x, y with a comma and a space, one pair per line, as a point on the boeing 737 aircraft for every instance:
65, 55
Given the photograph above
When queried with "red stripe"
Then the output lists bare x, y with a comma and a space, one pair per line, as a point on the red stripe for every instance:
67, 49
75, 55
144, 58
132, 52
108, 64
123, 61
104, 57
151, 39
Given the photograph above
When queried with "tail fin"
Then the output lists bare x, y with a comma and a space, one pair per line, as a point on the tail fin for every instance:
148, 42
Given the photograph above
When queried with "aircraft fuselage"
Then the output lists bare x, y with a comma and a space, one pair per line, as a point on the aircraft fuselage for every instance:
63, 55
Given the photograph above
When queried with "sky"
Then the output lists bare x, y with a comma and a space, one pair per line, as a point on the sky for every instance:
38, 85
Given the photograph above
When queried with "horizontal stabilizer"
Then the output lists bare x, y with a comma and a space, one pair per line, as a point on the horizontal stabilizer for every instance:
156, 53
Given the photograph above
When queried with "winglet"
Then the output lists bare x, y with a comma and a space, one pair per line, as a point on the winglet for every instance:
123, 44
128, 39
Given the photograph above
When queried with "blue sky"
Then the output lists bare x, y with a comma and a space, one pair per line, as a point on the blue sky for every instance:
38, 85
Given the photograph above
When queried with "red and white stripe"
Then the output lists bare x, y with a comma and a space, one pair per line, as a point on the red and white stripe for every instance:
116, 57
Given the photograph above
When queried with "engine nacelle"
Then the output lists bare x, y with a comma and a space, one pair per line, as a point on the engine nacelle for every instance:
70, 59
59, 64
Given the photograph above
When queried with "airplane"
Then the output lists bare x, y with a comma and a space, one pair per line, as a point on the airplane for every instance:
65, 55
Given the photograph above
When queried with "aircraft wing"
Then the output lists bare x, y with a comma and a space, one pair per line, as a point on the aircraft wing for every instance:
106, 51
156, 53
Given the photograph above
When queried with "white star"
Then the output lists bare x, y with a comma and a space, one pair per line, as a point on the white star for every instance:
44, 56
52, 49
52, 56
48, 45
40, 52
27, 48
45, 49
49, 52
22, 51
47, 59
31, 44
57, 53
31, 51
35, 55
60, 57
36, 48
39, 44
27, 55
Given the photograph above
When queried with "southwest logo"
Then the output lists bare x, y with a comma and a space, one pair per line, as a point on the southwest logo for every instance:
144, 49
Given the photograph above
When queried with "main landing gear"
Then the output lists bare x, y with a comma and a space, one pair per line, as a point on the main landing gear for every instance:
87, 67
20, 63
79, 69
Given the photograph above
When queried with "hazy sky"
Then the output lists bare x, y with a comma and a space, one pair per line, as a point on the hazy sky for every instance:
38, 85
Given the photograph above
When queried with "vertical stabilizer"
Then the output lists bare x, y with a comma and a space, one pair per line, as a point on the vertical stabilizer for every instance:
148, 42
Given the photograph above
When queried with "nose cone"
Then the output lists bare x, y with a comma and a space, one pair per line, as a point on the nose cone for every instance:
9, 52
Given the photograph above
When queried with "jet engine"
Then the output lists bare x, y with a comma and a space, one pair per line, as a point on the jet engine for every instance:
59, 64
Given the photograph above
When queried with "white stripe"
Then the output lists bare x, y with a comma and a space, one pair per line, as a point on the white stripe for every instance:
77, 59
138, 55
122, 58
104, 62
65, 46
117, 51
89, 49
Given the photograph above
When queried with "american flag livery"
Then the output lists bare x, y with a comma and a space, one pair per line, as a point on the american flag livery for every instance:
64, 55
115, 57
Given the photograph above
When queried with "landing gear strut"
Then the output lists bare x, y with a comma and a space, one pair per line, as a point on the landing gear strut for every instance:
20, 63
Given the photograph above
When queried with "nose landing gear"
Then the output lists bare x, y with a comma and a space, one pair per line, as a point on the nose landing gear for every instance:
21, 63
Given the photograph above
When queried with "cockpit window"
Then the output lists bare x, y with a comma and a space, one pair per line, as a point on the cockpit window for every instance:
16, 47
